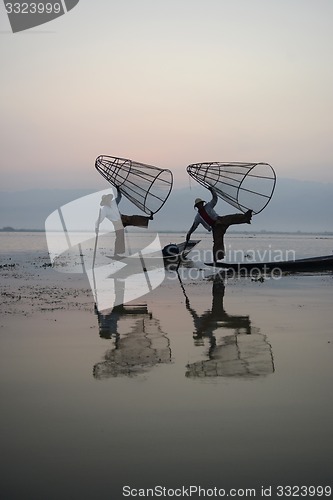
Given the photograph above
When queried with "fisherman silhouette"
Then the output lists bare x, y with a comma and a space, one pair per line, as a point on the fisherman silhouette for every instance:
111, 212
218, 224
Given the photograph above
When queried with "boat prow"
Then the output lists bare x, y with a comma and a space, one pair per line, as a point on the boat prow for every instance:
175, 250
171, 253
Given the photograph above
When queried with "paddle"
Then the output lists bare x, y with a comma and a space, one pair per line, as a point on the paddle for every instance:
97, 230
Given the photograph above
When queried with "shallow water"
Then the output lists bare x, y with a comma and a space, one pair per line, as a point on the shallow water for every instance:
204, 382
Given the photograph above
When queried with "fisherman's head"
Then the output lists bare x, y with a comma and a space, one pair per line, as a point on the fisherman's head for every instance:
106, 199
198, 203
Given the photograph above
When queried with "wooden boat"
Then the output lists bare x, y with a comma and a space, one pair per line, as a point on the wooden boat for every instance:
175, 250
312, 264
171, 253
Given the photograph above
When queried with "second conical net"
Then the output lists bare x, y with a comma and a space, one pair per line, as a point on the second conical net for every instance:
146, 186
243, 185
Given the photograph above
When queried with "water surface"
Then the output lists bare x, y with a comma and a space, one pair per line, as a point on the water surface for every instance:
204, 382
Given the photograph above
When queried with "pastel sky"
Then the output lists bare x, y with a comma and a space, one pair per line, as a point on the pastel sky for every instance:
169, 83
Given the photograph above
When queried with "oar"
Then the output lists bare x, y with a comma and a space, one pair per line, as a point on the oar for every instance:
182, 287
181, 255
94, 257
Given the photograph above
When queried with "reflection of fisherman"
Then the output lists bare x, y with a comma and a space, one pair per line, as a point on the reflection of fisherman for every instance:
110, 211
108, 322
245, 353
140, 349
218, 224
108, 319
213, 319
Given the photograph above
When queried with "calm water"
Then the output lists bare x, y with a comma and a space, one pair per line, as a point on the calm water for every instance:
303, 245
200, 382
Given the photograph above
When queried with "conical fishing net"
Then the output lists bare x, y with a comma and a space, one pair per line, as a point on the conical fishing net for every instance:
242, 185
146, 186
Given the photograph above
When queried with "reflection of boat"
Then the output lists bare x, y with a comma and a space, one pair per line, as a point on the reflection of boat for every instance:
312, 264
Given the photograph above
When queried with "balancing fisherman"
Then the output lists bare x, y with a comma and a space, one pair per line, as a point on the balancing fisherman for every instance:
110, 211
218, 224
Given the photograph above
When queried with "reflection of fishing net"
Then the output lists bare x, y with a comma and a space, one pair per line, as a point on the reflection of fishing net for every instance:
137, 352
242, 185
146, 186
245, 356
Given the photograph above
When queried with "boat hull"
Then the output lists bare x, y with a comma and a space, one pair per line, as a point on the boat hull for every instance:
312, 264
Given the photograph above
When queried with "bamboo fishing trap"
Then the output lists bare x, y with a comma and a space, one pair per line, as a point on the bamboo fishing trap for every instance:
243, 185
146, 186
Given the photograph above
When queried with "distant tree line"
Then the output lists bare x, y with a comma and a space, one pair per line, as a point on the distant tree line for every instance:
9, 229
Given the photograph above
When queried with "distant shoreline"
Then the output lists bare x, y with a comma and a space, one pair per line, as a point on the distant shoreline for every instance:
166, 231
13, 230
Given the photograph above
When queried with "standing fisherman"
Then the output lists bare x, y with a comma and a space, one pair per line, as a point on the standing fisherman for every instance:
110, 211
218, 224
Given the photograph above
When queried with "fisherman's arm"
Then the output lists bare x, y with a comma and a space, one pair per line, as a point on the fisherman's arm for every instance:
118, 196
213, 201
192, 229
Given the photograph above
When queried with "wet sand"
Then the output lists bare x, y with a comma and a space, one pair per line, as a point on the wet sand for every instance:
206, 382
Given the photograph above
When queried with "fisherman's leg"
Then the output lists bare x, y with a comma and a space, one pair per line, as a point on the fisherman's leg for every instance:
218, 238
229, 220
119, 245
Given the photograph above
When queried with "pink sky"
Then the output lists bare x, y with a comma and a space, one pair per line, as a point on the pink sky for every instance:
168, 84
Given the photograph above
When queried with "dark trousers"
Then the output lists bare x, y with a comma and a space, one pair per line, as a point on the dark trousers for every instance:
219, 229
127, 220
135, 220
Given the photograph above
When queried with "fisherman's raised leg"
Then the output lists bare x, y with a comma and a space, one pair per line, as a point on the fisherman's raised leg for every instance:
229, 220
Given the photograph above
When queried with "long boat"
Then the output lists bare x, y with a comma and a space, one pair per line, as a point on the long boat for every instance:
311, 264
171, 253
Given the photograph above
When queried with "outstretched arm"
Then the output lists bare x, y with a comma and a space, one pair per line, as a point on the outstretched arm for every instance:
118, 196
192, 229
213, 201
